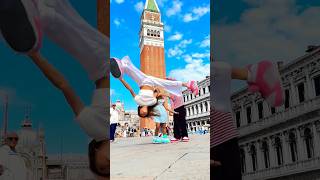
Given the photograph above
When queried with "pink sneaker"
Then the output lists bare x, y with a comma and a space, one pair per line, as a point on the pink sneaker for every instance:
185, 139
264, 77
173, 140
193, 86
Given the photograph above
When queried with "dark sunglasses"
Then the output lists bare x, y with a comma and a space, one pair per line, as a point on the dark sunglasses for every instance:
13, 138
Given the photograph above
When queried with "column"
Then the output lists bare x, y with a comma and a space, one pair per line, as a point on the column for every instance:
243, 113
254, 111
316, 139
248, 158
300, 144
207, 89
208, 103
272, 151
199, 109
203, 107
293, 97
187, 112
309, 91
260, 157
266, 109
285, 148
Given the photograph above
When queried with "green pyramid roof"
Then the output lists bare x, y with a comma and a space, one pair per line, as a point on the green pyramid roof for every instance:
151, 6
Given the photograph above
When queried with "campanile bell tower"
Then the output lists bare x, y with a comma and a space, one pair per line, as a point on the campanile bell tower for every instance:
152, 41
151, 48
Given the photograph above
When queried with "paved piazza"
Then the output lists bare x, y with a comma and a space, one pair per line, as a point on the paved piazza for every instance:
137, 158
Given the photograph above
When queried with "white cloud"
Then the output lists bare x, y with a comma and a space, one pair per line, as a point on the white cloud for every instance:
273, 30
112, 92
117, 22
176, 37
196, 13
175, 8
167, 28
139, 6
179, 49
205, 42
161, 2
201, 55
119, 1
195, 69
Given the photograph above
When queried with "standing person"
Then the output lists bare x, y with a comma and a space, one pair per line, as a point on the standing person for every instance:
160, 118
180, 131
114, 120
224, 149
23, 24
12, 164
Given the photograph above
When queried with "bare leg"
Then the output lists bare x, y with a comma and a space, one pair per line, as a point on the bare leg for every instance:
163, 128
156, 132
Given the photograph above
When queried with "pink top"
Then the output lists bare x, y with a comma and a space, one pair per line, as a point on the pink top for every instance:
176, 101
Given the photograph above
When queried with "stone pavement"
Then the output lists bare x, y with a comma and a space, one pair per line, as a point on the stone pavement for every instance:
137, 158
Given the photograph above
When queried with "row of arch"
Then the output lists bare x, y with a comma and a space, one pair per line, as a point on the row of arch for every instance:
195, 109
153, 33
296, 147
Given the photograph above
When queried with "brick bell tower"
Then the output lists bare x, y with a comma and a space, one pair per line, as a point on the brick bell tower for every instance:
151, 47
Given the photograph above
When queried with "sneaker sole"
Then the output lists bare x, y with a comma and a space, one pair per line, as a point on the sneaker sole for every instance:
16, 27
114, 68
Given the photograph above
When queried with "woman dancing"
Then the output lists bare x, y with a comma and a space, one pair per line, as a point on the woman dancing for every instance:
23, 23
147, 98
262, 77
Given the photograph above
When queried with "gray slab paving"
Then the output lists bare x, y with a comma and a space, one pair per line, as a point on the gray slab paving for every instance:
137, 158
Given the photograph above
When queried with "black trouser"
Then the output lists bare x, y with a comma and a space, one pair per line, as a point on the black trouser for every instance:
228, 153
180, 125
113, 128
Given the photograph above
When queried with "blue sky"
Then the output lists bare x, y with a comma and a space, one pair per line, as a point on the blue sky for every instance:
248, 31
187, 44
25, 85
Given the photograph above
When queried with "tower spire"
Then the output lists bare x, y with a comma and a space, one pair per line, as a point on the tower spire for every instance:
151, 5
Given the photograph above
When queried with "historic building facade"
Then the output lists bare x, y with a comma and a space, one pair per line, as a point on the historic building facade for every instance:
198, 107
32, 148
283, 142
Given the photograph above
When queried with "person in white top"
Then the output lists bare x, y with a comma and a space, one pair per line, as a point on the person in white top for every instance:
12, 165
23, 24
114, 120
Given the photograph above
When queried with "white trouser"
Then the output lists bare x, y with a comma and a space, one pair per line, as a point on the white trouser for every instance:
64, 26
93, 119
172, 87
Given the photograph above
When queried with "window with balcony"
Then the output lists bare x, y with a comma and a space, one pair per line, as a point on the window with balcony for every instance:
273, 110
238, 118
293, 147
249, 116
266, 157
316, 81
301, 92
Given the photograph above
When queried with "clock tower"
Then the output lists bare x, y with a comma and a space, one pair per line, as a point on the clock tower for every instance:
151, 47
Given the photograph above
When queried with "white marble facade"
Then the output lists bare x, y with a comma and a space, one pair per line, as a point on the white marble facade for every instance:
198, 107
283, 143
